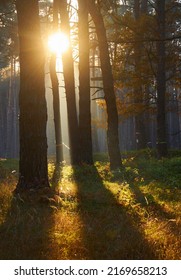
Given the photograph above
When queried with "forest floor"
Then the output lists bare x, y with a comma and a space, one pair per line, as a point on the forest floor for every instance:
93, 213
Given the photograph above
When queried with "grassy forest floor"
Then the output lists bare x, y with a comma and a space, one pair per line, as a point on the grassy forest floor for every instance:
92, 213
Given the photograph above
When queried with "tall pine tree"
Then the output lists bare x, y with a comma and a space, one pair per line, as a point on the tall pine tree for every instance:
33, 111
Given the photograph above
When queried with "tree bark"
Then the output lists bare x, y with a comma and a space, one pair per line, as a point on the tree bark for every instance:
84, 86
33, 111
55, 92
108, 85
138, 90
144, 6
161, 82
56, 109
69, 79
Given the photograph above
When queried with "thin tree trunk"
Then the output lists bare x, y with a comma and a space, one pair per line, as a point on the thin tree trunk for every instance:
144, 6
161, 82
56, 109
138, 90
55, 92
84, 85
69, 79
33, 111
108, 85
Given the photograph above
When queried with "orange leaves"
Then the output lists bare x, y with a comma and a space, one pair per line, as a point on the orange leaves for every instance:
129, 109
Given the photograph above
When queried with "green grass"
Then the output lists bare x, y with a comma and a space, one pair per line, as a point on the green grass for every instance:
9, 164
93, 213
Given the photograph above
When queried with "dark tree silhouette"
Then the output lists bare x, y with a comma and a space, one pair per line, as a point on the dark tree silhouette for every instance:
69, 79
33, 111
161, 82
138, 89
56, 109
108, 85
55, 92
84, 85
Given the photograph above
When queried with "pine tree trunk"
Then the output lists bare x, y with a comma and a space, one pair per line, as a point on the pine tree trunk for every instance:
33, 111
138, 90
84, 86
55, 92
108, 85
144, 6
56, 109
161, 82
69, 79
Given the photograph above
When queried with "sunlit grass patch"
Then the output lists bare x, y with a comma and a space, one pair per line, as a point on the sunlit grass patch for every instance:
160, 234
139, 202
162, 226
66, 238
5, 199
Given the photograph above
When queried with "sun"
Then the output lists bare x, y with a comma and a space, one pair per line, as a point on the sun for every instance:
58, 43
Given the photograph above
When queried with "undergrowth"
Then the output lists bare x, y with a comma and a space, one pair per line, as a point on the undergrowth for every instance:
91, 212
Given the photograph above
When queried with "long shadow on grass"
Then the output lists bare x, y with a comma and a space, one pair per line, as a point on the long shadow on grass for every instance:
27, 227
109, 232
156, 210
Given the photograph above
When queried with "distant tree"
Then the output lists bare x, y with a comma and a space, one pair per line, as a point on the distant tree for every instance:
8, 33
137, 62
108, 86
33, 111
161, 81
138, 86
84, 85
8, 80
144, 6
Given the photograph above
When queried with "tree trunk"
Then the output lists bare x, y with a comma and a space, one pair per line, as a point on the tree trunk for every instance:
56, 109
69, 79
108, 85
144, 6
138, 90
55, 92
84, 86
33, 111
161, 82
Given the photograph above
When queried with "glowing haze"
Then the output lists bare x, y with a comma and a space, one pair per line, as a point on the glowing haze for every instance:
58, 43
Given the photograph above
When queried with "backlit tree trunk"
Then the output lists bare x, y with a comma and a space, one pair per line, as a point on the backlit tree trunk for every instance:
55, 92
108, 85
69, 79
84, 85
56, 109
33, 111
